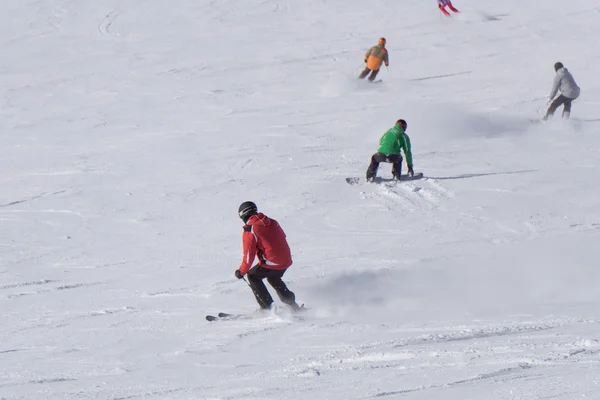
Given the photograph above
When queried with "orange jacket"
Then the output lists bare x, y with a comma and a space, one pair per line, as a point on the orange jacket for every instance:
263, 237
375, 56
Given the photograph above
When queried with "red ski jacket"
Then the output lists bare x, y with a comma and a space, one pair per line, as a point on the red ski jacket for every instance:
264, 238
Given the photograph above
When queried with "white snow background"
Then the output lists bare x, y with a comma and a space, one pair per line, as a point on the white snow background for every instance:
132, 130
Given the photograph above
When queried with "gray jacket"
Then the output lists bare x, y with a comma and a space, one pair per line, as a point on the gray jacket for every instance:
564, 82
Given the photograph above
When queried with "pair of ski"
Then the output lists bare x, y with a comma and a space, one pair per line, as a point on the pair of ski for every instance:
229, 317
225, 316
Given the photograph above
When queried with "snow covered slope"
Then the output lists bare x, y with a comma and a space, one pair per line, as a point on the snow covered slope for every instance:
131, 132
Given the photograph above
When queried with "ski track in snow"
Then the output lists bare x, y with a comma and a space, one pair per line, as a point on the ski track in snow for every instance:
106, 26
12, 203
413, 196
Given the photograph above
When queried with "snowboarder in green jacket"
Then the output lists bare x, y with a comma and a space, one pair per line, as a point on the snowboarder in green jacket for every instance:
389, 151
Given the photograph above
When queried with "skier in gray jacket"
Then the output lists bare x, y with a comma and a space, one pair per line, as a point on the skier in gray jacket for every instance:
569, 91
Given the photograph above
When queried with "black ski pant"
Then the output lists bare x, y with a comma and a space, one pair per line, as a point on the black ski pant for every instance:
366, 72
395, 159
559, 101
263, 297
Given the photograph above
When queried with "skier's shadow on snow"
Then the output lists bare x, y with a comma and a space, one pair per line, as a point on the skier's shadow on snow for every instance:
497, 17
426, 78
586, 119
466, 176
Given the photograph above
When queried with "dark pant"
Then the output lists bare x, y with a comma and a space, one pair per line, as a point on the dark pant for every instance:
366, 72
395, 159
559, 101
263, 297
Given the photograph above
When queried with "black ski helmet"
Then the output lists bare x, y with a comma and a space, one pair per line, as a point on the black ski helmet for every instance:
558, 66
402, 123
246, 210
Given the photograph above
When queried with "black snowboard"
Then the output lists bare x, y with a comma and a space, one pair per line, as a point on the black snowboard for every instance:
355, 180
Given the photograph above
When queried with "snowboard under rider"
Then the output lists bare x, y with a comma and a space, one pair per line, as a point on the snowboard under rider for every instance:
374, 57
569, 91
264, 239
389, 151
442, 4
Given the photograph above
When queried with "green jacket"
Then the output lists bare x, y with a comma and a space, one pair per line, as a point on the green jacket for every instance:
393, 140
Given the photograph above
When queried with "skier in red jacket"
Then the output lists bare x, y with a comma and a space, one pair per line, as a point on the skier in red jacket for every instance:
263, 238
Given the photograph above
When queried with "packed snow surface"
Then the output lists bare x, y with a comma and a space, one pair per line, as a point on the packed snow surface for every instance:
132, 130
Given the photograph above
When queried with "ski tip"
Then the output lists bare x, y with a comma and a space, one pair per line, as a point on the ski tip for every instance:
211, 318
225, 315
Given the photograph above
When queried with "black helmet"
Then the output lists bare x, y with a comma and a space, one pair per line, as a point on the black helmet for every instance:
402, 123
246, 210
558, 66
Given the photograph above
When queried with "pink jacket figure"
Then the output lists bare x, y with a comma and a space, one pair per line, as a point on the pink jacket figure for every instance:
442, 4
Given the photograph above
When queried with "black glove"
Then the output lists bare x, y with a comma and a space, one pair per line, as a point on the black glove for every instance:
410, 170
365, 61
238, 274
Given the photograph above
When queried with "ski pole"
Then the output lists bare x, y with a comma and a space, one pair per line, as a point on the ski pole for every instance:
263, 305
